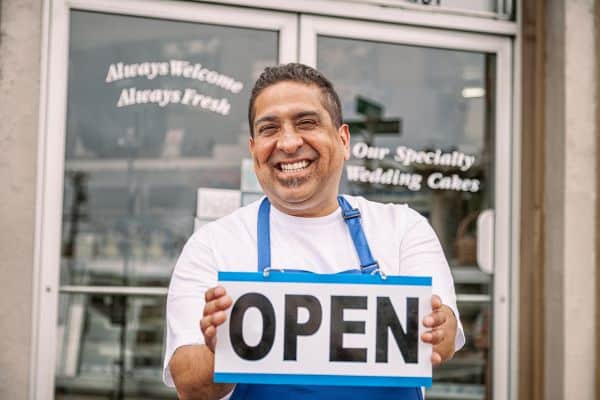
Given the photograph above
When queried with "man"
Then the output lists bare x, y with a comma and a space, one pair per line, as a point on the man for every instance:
298, 144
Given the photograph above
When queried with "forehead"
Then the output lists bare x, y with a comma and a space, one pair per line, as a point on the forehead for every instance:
288, 97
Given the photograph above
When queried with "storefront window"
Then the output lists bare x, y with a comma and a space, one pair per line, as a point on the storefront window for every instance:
422, 133
156, 110
157, 118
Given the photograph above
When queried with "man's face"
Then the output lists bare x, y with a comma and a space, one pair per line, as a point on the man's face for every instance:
298, 153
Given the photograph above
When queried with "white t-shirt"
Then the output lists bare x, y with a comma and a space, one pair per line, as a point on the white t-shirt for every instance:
401, 240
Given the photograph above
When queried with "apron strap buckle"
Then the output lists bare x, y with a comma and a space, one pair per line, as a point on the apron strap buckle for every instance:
351, 213
373, 269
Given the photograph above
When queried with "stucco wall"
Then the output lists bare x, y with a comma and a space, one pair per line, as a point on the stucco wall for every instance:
571, 191
20, 39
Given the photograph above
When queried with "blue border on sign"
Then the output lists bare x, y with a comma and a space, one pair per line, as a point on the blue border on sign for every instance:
329, 380
299, 277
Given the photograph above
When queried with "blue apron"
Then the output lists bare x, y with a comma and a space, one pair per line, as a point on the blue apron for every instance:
314, 392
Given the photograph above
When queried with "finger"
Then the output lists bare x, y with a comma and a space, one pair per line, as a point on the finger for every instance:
218, 318
210, 333
220, 304
436, 302
205, 323
214, 293
213, 320
212, 343
434, 319
433, 337
436, 358
211, 339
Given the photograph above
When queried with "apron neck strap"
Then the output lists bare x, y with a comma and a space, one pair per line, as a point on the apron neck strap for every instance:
351, 217
263, 232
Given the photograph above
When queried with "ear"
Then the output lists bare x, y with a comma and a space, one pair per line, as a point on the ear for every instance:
251, 144
344, 134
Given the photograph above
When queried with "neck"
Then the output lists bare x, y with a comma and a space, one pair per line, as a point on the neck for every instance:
307, 210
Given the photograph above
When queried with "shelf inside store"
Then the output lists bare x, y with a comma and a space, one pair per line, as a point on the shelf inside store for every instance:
145, 384
151, 164
463, 364
158, 269
454, 391
161, 268
470, 274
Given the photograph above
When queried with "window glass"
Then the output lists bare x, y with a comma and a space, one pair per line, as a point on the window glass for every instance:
421, 122
156, 143
156, 110
110, 347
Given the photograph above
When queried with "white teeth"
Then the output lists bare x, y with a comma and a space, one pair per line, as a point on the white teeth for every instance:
293, 167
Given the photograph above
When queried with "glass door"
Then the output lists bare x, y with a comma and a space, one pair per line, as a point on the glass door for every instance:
429, 116
154, 120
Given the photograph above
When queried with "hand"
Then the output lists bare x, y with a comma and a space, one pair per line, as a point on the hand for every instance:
442, 323
217, 302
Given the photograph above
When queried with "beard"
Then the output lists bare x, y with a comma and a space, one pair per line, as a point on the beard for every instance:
294, 182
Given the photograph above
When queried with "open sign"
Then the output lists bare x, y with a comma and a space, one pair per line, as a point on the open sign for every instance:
344, 329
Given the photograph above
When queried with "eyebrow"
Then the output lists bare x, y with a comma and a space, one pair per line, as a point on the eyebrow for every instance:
266, 118
301, 114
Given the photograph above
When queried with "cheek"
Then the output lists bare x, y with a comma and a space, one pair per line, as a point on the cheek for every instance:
262, 151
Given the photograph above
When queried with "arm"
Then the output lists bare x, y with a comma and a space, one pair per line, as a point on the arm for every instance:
421, 254
192, 369
192, 366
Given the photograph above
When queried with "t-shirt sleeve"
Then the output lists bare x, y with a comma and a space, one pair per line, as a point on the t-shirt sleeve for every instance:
193, 274
422, 254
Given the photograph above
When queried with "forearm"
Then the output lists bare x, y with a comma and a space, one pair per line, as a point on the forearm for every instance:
192, 369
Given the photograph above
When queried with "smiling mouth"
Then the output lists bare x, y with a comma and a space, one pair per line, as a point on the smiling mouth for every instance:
294, 166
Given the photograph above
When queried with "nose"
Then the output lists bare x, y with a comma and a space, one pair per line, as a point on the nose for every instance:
289, 141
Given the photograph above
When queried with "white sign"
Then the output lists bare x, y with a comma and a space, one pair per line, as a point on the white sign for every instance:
340, 329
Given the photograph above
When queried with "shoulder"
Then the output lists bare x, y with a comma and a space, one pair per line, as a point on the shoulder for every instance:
382, 210
240, 225
240, 222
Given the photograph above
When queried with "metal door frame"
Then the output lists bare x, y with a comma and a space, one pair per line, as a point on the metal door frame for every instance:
506, 210
51, 144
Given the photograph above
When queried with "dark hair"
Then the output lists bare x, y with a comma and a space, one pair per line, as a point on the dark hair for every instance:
297, 73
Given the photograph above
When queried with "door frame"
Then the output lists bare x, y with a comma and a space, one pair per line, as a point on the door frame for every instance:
506, 212
441, 33
52, 132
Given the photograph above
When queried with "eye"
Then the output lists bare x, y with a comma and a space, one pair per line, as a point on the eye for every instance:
307, 124
266, 130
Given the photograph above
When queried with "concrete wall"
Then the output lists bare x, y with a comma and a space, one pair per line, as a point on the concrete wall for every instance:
570, 195
20, 40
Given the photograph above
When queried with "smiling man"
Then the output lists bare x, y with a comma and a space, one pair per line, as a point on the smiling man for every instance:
298, 144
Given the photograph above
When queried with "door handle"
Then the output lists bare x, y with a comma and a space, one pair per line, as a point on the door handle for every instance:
485, 241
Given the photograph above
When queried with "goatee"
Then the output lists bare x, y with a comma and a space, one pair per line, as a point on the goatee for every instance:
294, 182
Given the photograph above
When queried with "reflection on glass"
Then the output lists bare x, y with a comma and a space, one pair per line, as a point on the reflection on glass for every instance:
110, 347
422, 133
156, 110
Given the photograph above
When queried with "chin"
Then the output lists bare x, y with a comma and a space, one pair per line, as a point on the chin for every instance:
294, 197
